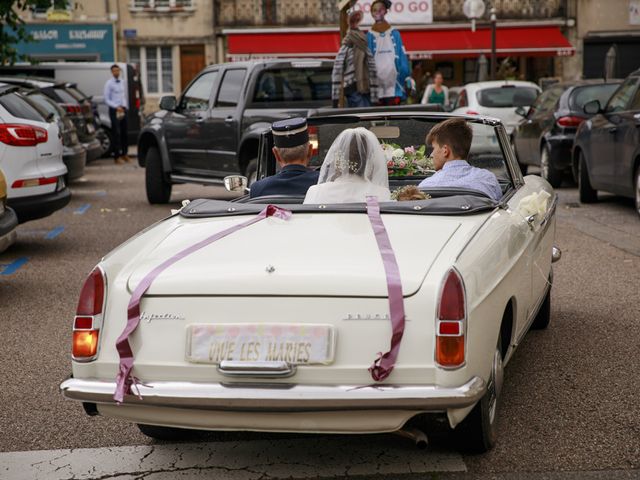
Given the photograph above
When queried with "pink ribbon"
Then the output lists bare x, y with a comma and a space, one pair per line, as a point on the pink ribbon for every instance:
125, 379
383, 365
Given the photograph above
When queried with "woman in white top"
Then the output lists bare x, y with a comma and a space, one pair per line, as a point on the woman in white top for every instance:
354, 168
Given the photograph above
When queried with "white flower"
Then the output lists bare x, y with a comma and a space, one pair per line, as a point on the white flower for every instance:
398, 153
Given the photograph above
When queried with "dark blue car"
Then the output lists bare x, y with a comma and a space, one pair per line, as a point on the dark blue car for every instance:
545, 135
607, 146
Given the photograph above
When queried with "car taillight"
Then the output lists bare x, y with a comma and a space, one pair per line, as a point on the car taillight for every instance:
34, 182
451, 322
570, 121
88, 319
18, 135
73, 109
472, 112
313, 139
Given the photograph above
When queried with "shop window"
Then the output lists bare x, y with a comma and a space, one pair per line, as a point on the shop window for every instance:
40, 8
155, 65
470, 71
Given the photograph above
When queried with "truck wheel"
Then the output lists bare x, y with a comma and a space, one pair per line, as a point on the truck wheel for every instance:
548, 171
158, 189
587, 193
478, 432
167, 433
544, 314
251, 171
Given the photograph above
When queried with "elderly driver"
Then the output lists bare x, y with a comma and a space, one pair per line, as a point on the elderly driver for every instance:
451, 142
293, 152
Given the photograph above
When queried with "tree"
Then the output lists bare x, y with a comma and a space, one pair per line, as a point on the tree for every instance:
12, 31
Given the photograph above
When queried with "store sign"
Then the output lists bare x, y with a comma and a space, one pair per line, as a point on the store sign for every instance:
634, 12
402, 12
70, 40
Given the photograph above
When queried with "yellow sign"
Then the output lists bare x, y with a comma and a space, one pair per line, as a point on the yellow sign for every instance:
58, 16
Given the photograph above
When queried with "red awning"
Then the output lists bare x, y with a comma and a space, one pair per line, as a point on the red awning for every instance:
546, 41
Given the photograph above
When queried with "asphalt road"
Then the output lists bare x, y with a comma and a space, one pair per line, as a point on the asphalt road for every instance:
570, 399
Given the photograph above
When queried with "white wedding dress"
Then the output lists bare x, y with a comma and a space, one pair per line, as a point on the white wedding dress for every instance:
354, 168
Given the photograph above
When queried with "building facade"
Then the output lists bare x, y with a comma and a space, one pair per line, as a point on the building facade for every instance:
169, 41
531, 34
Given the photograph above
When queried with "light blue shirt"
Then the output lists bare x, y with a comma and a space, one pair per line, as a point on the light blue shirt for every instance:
458, 173
114, 93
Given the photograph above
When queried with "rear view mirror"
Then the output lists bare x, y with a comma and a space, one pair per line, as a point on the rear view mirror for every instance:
168, 103
236, 183
522, 111
593, 107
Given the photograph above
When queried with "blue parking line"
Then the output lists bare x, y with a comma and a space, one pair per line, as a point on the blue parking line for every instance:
54, 233
82, 209
9, 268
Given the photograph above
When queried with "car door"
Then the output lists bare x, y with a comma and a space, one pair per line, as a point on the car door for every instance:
606, 133
539, 118
226, 119
627, 146
185, 129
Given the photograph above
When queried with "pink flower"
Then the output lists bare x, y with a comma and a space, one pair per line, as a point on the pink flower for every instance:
410, 149
402, 164
390, 163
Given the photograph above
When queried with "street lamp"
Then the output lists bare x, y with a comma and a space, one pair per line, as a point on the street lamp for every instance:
493, 43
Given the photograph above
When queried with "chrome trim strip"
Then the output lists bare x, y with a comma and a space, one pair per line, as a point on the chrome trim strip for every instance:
281, 397
256, 369
192, 179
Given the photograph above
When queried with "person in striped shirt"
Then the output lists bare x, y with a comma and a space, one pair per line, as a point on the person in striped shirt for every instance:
354, 70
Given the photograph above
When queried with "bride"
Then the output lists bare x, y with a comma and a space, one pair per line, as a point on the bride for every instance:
354, 168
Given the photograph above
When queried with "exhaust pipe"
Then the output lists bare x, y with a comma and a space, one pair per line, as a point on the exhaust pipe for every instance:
417, 436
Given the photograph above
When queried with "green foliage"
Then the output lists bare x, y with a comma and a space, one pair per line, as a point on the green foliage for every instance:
12, 30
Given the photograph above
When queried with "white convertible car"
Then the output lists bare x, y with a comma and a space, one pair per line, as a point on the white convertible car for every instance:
243, 316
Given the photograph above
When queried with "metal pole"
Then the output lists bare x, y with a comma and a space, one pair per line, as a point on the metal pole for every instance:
493, 43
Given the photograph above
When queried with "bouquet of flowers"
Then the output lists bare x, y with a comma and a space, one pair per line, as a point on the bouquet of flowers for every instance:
405, 162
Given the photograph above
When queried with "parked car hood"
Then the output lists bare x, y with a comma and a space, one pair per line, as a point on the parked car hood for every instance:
309, 255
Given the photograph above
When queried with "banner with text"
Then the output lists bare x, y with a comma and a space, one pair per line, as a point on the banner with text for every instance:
402, 12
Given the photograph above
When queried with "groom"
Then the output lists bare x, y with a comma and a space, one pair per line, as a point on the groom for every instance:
293, 153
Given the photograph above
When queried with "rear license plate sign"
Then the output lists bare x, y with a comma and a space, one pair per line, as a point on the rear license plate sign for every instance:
294, 344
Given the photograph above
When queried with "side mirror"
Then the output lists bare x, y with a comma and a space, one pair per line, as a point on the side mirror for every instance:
168, 103
522, 111
592, 108
236, 183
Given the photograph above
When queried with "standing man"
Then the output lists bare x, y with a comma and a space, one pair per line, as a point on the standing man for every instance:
293, 152
115, 98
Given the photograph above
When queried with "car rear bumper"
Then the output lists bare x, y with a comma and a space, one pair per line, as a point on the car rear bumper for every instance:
560, 150
93, 148
8, 223
75, 158
39, 206
281, 397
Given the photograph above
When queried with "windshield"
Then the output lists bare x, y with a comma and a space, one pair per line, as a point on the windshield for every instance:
507, 96
293, 84
583, 95
408, 157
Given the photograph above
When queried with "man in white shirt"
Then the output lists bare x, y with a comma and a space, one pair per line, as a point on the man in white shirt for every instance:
116, 100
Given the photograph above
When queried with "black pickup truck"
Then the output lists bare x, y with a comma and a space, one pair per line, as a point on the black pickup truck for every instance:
214, 129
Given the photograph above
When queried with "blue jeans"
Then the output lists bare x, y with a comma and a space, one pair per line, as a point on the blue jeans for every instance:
356, 99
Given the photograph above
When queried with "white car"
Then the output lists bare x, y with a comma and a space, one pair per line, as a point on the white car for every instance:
8, 219
274, 327
498, 99
31, 158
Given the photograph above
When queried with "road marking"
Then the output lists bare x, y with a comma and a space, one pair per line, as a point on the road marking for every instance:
82, 209
13, 267
291, 458
55, 232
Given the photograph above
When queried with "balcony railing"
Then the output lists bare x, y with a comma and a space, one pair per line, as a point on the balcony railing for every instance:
318, 12
161, 5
